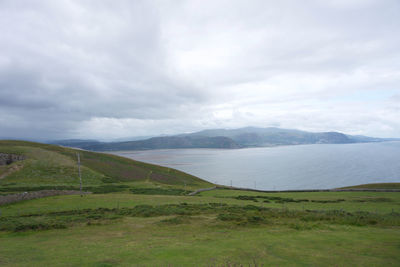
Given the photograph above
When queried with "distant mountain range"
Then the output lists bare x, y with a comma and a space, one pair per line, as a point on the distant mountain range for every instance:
227, 139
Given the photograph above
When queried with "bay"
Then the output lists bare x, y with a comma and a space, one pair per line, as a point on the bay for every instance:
284, 167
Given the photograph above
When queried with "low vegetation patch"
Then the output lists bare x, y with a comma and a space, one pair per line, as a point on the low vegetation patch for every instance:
374, 186
284, 199
228, 214
100, 189
373, 199
253, 217
176, 220
160, 191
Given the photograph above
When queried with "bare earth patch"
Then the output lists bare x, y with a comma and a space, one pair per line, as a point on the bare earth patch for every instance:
12, 168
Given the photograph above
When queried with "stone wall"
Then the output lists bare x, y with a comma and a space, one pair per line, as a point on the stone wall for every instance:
6, 159
12, 198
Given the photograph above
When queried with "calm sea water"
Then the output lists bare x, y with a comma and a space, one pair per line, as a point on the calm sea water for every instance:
285, 167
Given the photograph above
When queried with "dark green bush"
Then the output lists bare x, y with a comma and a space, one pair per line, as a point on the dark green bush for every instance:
269, 199
160, 191
176, 220
239, 215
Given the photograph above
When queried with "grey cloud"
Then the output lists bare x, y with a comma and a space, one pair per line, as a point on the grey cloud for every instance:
107, 69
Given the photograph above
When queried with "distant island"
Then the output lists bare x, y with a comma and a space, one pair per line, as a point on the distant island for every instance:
225, 139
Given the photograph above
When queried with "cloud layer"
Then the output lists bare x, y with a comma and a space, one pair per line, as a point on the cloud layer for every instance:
112, 69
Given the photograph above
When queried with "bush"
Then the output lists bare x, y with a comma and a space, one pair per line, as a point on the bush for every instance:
270, 198
176, 220
160, 191
239, 215
104, 189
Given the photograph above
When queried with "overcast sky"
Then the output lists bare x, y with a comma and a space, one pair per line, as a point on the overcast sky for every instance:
113, 69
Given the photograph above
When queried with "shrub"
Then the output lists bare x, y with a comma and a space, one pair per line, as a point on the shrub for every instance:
176, 220
160, 191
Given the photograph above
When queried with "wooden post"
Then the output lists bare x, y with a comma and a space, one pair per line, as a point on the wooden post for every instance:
80, 176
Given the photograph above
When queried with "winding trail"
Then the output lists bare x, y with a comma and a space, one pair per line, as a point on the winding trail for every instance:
201, 190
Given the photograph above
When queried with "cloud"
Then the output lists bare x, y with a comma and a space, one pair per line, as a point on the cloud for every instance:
85, 69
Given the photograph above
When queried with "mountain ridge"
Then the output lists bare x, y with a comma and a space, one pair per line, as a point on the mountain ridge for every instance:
225, 139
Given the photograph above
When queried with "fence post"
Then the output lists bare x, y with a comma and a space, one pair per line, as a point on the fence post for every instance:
80, 176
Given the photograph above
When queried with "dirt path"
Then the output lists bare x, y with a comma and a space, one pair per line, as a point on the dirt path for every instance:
11, 169
202, 190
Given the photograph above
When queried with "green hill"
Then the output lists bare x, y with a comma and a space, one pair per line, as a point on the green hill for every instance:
50, 165
374, 186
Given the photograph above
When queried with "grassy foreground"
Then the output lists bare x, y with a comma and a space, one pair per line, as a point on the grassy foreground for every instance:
136, 220
122, 229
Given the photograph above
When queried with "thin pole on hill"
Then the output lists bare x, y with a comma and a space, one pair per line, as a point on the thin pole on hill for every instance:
79, 171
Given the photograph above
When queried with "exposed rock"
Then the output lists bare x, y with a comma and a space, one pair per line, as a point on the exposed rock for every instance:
7, 159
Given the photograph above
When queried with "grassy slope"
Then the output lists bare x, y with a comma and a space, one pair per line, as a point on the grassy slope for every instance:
375, 186
55, 165
101, 229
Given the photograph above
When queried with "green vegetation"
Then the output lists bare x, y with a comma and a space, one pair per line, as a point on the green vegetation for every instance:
124, 228
348, 201
160, 191
150, 220
375, 186
49, 166
239, 215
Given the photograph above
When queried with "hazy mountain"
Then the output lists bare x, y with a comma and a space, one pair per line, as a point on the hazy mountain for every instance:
252, 136
132, 138
226, 138
367, 139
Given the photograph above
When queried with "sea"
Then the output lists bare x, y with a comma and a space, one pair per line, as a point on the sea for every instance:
317, 166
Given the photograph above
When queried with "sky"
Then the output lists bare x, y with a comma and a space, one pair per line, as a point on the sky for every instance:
116, 69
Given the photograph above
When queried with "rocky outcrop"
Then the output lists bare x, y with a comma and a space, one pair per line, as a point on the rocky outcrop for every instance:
7, 159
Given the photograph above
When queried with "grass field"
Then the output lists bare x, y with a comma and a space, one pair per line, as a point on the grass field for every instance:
134, 220
125, 229
201, 242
